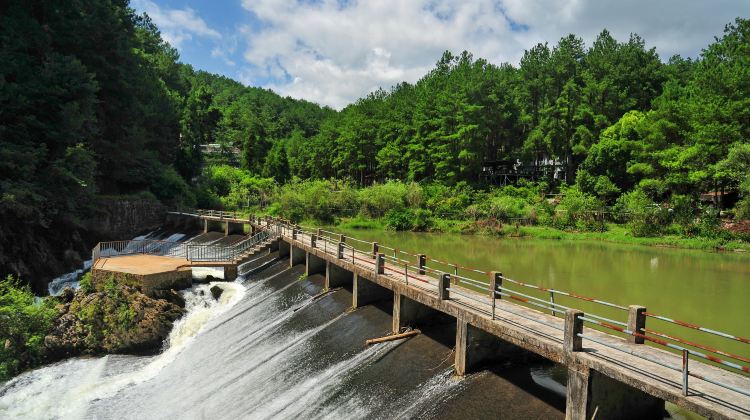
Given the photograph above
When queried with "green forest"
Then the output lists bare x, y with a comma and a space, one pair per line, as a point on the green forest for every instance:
96, 104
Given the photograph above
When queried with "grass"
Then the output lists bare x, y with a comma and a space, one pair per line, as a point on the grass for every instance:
615, 233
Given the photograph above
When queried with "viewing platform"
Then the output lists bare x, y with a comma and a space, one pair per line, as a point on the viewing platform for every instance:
155, 265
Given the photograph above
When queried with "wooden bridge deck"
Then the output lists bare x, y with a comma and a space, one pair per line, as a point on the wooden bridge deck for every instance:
543, 334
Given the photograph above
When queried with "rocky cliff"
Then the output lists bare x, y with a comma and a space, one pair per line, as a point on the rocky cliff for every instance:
37, 253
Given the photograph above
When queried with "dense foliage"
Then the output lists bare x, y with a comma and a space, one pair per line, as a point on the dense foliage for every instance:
24, 322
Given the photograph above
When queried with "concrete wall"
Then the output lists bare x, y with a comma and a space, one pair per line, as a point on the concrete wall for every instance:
180, 279
476, 347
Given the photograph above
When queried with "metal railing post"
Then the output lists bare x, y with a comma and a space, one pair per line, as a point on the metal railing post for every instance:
496, 283
685, 371
552, 302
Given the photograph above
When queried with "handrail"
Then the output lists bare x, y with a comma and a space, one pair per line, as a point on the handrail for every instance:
405, 271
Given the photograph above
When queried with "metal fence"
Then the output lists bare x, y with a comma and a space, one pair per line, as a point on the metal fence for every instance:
185, 250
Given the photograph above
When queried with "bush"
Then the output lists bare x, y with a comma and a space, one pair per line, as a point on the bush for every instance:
644, 216
377, 200
409, 219
579, 210
24, 322
321, 200
506, 208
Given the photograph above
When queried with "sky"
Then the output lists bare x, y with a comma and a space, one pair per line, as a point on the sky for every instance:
333, 52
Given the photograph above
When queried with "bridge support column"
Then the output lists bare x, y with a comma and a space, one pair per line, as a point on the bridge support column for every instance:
314, 264
589, 393
205, 225
409, 313
366, 292
337, 276
284, 249
230, 273
296, 256
475, 346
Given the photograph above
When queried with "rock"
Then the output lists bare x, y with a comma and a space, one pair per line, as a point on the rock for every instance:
170, 296
67, 295
216, 292
208, 279
120, 321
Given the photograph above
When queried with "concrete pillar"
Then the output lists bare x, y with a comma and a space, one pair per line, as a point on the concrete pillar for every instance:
226, 228
284, 248
444, 282
475, 346
337, 276
407, 312
421, 263
313, 240
374, 250
314, 264
573, 326
341, 250
380, 264
230, 272
365, 292
342, 238
294, 233
636, 323
205, 225
296, 256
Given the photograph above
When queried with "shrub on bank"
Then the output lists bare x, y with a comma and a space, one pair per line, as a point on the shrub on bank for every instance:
24, 322
409, 219
378, 199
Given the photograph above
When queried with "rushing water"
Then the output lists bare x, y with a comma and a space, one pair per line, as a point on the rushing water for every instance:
274, 347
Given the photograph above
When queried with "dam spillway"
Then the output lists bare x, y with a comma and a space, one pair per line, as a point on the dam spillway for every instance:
281, 349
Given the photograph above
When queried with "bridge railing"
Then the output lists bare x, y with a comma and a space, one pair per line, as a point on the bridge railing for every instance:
414, 269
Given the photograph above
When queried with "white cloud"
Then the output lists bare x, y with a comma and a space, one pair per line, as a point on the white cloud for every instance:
335, 51
176, 25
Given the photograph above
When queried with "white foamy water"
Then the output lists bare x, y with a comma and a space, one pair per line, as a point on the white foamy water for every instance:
64, 390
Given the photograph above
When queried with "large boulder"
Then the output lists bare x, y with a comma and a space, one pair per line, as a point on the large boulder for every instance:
115, 319
216, 292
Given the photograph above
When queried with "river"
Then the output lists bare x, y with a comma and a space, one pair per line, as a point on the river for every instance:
274, 347
711, 289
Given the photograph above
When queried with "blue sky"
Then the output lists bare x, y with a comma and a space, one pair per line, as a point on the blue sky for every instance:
335, 51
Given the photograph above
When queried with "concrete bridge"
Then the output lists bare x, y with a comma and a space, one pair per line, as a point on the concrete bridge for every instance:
612, 373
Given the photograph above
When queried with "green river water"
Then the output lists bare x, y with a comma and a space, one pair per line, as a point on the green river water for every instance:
705, 288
